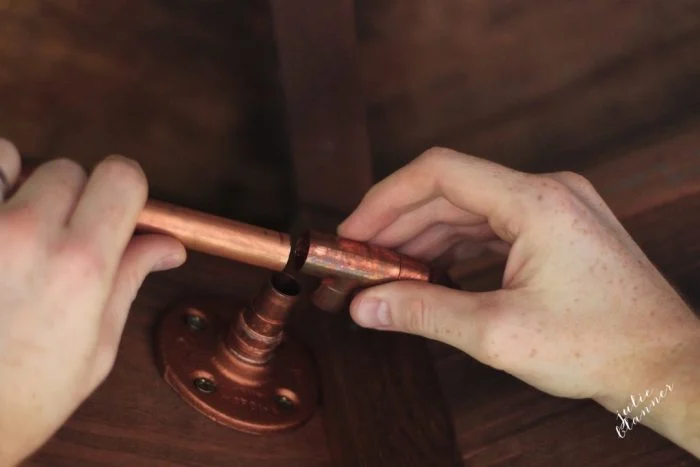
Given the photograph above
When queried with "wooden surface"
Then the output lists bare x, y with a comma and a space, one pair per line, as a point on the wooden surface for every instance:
382, 390
537, 84
324, 102
191, 88
186, 87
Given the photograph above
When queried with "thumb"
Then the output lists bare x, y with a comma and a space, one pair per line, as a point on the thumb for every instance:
455, 317
143, 255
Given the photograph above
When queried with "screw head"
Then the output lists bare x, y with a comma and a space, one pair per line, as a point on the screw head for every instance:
195, 322
284, 403
205, 385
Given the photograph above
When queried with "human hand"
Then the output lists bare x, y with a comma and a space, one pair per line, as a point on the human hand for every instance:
70, 271
582, 313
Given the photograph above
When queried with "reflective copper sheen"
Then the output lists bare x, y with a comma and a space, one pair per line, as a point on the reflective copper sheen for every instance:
217, 236
346, 265
242, 372
333, 294
259, 328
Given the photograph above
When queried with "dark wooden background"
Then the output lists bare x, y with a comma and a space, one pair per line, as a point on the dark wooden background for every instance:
190, 88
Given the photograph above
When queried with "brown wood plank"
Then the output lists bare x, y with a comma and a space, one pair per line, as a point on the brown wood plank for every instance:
528, 83
324, 101
502, 422
188, 88
381, 396
135, 419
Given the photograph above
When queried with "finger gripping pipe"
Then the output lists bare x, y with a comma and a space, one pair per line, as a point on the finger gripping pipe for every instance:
344, 265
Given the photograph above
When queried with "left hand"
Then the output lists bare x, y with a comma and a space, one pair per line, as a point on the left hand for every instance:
70, 271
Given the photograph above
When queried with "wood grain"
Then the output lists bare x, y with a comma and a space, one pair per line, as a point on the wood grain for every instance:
381, 390
533, 84
324, 103
187, 88
504, 422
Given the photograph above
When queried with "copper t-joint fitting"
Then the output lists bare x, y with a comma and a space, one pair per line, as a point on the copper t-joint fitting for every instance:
346, 265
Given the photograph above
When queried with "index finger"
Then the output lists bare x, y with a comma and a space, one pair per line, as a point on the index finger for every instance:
105, 216
476, 185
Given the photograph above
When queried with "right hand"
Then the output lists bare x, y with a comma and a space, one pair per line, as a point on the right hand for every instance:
582, 312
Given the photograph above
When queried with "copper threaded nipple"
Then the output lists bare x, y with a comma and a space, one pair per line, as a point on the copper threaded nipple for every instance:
259, 329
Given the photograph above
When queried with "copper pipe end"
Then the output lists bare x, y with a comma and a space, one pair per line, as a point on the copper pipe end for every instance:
217, 236
333, 295
259, 328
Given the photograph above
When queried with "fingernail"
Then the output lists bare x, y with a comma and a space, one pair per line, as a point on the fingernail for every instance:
373, 313
169, 262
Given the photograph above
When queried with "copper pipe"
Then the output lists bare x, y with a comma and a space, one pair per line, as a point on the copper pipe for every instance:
334, 293
343, 264
259, 328
210, 234
217, 236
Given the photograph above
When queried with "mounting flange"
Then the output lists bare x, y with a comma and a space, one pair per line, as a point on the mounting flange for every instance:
239, 369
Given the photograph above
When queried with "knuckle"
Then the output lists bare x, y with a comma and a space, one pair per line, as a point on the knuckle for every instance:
435, 156
577, 182
556, 194
126, 171
69, 175
68, 167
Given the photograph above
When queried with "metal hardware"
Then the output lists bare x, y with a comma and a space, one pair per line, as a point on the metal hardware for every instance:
347, 265
244, 373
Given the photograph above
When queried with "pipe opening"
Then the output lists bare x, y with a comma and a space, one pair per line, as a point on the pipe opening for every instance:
286, 284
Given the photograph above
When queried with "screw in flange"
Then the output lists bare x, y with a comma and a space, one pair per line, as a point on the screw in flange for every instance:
195, 322
205, 385
284, 403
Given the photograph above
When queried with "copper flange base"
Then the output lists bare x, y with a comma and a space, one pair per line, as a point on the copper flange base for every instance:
249, 398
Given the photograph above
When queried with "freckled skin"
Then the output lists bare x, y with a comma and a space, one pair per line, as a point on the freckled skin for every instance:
576, 287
